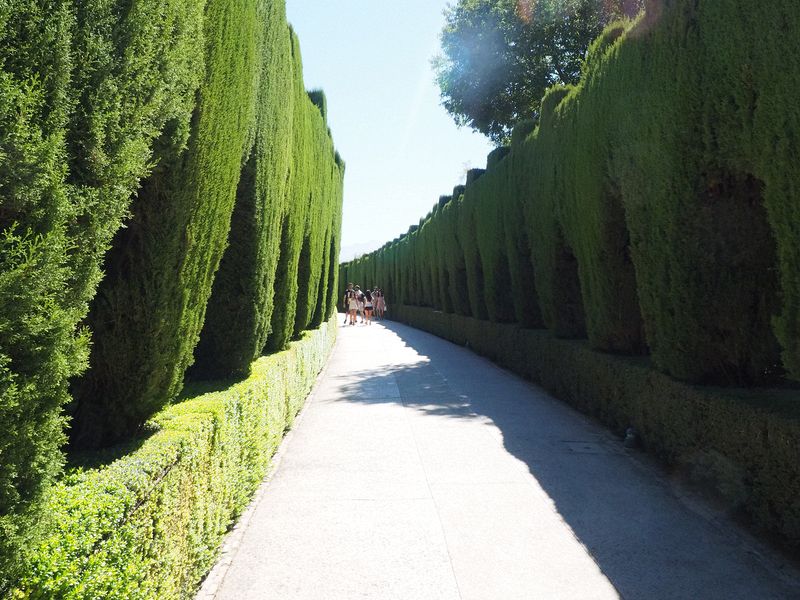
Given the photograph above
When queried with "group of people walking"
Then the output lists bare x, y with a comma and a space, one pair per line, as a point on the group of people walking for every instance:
363, 304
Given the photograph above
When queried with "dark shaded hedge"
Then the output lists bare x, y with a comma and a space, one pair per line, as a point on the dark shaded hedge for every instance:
84, 90
554, 262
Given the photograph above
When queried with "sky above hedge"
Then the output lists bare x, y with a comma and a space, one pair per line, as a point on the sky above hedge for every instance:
401, 148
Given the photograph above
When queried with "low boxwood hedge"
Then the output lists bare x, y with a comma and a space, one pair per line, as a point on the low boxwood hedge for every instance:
743, 442
149, 525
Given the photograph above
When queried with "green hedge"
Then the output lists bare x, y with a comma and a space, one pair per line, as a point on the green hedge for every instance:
742, 442
592, 214
491, 197
525, 295
150, 308
314, 200
141, 114
555, 265
653, 206
84, 90
324, 178
150, 524
473, 265
240, 309
707, 296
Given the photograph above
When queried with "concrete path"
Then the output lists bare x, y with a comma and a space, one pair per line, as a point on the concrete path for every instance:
422, 471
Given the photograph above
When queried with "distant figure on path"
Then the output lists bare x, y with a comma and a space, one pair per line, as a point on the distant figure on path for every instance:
360, 300
351, 304
368, 307
380, 305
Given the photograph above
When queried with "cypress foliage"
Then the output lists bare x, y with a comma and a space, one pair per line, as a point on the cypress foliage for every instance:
472, 257
660, 194
84, 90
491, 200
454, 255
592, 214
324, 177
150, 309
314, 196
518, 247
775, 120
240, 309
554, 261
293, 223
39, 345
707, 299
99, 98
442, 242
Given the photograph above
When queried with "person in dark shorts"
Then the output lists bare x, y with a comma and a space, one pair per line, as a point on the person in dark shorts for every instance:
368, 305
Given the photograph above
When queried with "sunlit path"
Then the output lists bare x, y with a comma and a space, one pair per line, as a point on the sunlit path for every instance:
420, 470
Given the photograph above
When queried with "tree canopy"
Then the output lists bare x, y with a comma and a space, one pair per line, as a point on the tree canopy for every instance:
499, 56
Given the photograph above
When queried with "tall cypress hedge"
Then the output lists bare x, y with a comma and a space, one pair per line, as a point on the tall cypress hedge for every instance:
473, 267
707, 298
239, 312
654, 206
150, 308
84, 89
312, 202
491, 200
39, 345
324, 177
773, 121
555, 265
518, 248
592, 214
162, 112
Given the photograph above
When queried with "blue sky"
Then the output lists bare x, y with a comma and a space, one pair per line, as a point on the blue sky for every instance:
372, 58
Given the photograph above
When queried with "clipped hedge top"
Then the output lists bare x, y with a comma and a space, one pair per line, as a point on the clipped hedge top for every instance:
89, 551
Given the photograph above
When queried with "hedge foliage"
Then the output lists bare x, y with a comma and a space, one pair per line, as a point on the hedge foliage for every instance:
84, 90
240, 312
652, 207
258, 143
151, 305
740, 444
150, 524
128, 133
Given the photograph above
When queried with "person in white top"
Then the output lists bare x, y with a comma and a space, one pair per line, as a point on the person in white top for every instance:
350, 304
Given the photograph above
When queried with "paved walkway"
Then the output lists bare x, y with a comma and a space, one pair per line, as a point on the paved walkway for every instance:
420, 470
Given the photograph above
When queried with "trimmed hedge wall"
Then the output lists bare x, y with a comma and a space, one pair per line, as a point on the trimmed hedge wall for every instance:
150, 308
150, 524
651, 209
742, 441
260, 176
240, 309
128, 133
84, 90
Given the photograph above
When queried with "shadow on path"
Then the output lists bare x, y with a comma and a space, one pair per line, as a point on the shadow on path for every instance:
647, 538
